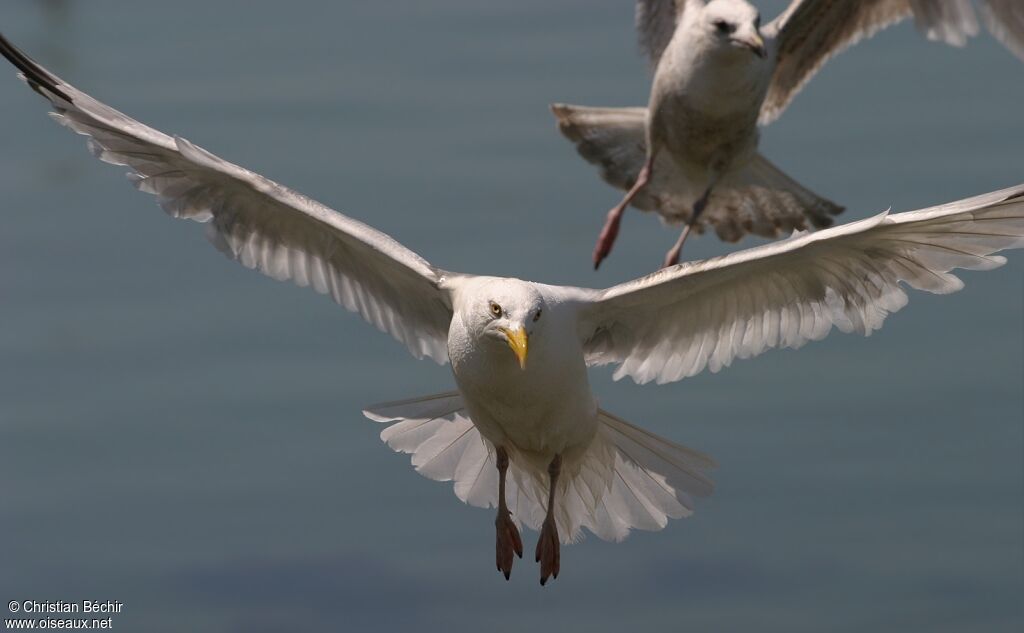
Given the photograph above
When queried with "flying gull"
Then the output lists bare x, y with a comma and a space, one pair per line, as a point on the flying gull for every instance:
522, 432
691, 154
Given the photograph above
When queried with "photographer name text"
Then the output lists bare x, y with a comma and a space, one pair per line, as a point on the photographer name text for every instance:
65, 606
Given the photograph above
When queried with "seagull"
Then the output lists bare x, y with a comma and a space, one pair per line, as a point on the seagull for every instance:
522, 431
691, 154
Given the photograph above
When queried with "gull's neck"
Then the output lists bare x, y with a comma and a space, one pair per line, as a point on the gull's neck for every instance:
707, 75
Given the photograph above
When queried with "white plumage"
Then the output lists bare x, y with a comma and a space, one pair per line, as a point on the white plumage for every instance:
691, 154
628, 479
538, 410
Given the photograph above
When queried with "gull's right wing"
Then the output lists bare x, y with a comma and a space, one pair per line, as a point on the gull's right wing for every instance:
260, 223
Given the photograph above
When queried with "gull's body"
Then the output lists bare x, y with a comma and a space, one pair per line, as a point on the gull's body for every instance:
703, 107
514, 406
691, 154
523, 432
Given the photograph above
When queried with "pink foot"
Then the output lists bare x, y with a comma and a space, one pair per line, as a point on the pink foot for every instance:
548, 554
671, 258
508, 542
606, 239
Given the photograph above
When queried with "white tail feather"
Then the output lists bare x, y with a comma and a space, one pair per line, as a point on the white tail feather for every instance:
627, 478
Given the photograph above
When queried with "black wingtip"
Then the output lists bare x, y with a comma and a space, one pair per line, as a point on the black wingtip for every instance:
35, 74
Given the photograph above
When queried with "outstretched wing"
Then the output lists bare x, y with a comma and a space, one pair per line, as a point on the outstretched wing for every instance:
260, 223
809, 32
1005, 21
674, 323
656, 21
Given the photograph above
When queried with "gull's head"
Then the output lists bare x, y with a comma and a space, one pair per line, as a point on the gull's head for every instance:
505, 314
734, 25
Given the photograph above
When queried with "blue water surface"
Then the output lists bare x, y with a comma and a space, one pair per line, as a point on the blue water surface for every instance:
184, 436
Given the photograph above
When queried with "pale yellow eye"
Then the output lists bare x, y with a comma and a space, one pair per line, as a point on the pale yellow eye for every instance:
495, 309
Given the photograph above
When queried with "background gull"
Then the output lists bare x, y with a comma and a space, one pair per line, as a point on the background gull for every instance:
523, 433
691, 154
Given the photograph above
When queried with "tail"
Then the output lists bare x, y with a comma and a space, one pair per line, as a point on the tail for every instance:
627, 478
653, 480
758, 199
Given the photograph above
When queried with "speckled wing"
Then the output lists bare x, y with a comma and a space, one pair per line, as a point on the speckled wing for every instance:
1005, 20
809, 32
260, 223
613, 139
680, 320
760, 199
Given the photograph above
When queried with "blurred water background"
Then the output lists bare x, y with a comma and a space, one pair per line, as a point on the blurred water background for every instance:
184, 436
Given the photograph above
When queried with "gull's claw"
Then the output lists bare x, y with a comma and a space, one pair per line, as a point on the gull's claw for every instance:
548, 551
508, 542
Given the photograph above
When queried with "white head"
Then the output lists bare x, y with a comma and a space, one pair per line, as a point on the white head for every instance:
502, 315
733, 25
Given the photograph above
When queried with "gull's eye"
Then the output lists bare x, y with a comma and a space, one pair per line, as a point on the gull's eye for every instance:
536, 316
757, 22
722, 26
495, 309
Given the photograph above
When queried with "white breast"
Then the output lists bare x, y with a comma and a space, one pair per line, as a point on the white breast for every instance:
544, 409
704, 104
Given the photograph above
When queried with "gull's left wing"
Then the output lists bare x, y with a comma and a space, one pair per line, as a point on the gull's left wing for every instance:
260, 223
672, 324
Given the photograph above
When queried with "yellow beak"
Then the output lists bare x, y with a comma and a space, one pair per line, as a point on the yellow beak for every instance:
756, 44
517, 341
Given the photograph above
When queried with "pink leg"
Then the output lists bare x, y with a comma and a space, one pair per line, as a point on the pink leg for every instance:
672, 257
611, 225
509, 541
548, 547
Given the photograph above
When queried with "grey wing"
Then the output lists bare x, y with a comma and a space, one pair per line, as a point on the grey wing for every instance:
1005, 20
262, 224
680, 320
656, 22
614, 139
809, 32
